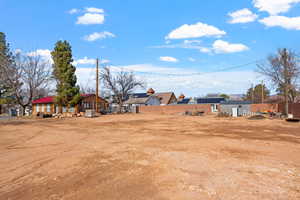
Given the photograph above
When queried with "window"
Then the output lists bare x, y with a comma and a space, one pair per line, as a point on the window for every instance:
72, 109
43, 108
48, 107
64, 109
37, 108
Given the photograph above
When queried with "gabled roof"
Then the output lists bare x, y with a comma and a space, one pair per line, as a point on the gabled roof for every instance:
139, 95
210, 100
49, 99
137, 100
165, 97
87, 95
133, 100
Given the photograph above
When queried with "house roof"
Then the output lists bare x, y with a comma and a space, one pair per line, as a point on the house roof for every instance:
139, 95
87, 95
210, 100
137, 100
50, 99
165, 97
184, 101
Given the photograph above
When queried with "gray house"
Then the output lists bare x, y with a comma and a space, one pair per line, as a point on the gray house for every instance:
236, 108
138, 99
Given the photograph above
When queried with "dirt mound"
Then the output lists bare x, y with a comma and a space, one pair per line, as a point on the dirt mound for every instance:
257, 117
293, 120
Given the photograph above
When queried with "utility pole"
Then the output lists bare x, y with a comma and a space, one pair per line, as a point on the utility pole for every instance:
97, 84
284, 58
262, 91
252, 93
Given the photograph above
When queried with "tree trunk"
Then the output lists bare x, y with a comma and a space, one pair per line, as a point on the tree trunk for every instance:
286, 84
23, 110
120, 107
60, 109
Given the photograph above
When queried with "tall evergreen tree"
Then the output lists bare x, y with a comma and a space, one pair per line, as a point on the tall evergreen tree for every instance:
6, 58
64, 73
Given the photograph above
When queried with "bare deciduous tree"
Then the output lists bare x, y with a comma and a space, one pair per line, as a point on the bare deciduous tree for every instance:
283, 70
27, 77
121, 84
87, 89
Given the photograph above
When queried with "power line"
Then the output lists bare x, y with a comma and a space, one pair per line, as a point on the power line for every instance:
199, 73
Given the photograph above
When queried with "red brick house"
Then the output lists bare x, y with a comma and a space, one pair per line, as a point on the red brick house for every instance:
47, 105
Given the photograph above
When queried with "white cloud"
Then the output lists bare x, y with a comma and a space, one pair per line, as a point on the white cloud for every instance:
274, 7
45, 54
195, 31
94, 10
168, 59
187, 44
88, 61
182, 80
84, 61
192, 42
242, 16
90, 18
291, 23
73, 11
205, 50
191, 59
99, 36
220, 46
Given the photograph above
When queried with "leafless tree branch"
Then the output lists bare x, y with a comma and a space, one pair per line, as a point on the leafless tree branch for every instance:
121, 84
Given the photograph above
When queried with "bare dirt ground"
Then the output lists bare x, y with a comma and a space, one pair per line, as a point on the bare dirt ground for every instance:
149, 157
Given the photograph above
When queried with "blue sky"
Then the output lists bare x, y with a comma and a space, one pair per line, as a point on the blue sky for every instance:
172, 45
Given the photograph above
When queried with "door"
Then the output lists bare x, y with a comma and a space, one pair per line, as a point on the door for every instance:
234, 112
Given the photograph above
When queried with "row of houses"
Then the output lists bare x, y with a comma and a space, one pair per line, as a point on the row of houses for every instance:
215, 103
149, 98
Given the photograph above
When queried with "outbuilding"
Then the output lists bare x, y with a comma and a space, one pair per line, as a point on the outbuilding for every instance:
236, 108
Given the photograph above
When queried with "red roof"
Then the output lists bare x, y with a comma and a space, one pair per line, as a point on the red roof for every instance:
49, 99
87, 95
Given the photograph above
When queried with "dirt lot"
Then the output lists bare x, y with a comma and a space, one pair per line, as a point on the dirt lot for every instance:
149, 157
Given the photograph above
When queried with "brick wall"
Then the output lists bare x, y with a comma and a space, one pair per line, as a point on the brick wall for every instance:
294, 108
264, 107
173, 109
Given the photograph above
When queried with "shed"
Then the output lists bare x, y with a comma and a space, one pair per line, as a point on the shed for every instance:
236, 108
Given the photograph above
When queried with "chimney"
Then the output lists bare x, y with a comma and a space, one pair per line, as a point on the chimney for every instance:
150, 91
181, 97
